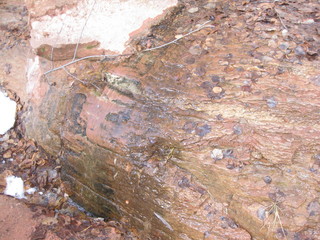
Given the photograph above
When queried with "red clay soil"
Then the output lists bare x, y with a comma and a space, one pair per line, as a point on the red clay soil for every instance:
16, 220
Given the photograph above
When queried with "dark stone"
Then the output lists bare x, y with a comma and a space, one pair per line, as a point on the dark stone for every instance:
184, 182
228, 153
207, 85
200, 71
190, 60
189, 127
267, 179
299, 51
118, 118
216, 79
271, 102
237, 130
203, 130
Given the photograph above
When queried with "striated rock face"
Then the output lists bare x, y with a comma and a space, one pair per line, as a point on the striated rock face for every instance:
213, 137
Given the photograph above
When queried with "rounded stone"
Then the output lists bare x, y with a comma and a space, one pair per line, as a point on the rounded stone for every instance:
267, 179
193, 10
217, 90
217, 154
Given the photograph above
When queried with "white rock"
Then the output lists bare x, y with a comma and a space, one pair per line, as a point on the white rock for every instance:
210, 6
308, 21
284, 32
7, 113
217, 154
14, 187
193, 10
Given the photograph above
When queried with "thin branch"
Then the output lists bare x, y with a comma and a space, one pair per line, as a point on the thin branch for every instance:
204, 25
52, 48
84, 58
183, 36
83, 82
281, 21
75, 51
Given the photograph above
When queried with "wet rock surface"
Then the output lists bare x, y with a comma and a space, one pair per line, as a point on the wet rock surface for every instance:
212, 137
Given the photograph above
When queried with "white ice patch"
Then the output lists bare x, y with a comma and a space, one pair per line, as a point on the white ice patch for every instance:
7, 113
14, 187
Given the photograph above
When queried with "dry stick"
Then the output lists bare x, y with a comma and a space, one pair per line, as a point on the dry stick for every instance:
281, 21
83, 82
183, 36
75, 51
122, 55
52, 48
275, 9
84, 58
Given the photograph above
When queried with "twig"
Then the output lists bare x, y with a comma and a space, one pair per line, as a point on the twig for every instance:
204, 25
281, 21
85, 83
75, 51
183, 36
84, 58
52, 48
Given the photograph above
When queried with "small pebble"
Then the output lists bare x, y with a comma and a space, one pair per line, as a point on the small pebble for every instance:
195, 50
284, 32
316, 80
237, 130
216, 79
299, 51
217, 90
210, 6
267, 179
267, 59
308, 21
271, 102
223, 63
230, 166
256, 155
228, 153
193, 10
284, 46
261, 213
272, 44
72, 70
217, 154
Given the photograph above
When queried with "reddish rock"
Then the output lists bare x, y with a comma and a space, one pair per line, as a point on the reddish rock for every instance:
136, 135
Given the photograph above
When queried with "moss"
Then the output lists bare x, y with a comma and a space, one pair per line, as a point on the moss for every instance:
90, 46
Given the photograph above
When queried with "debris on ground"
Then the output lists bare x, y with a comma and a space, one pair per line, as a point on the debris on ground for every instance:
29, 174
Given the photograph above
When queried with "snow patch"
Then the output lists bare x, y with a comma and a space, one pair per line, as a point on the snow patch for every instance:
14, 187
31, 190
7, 113
109, 22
